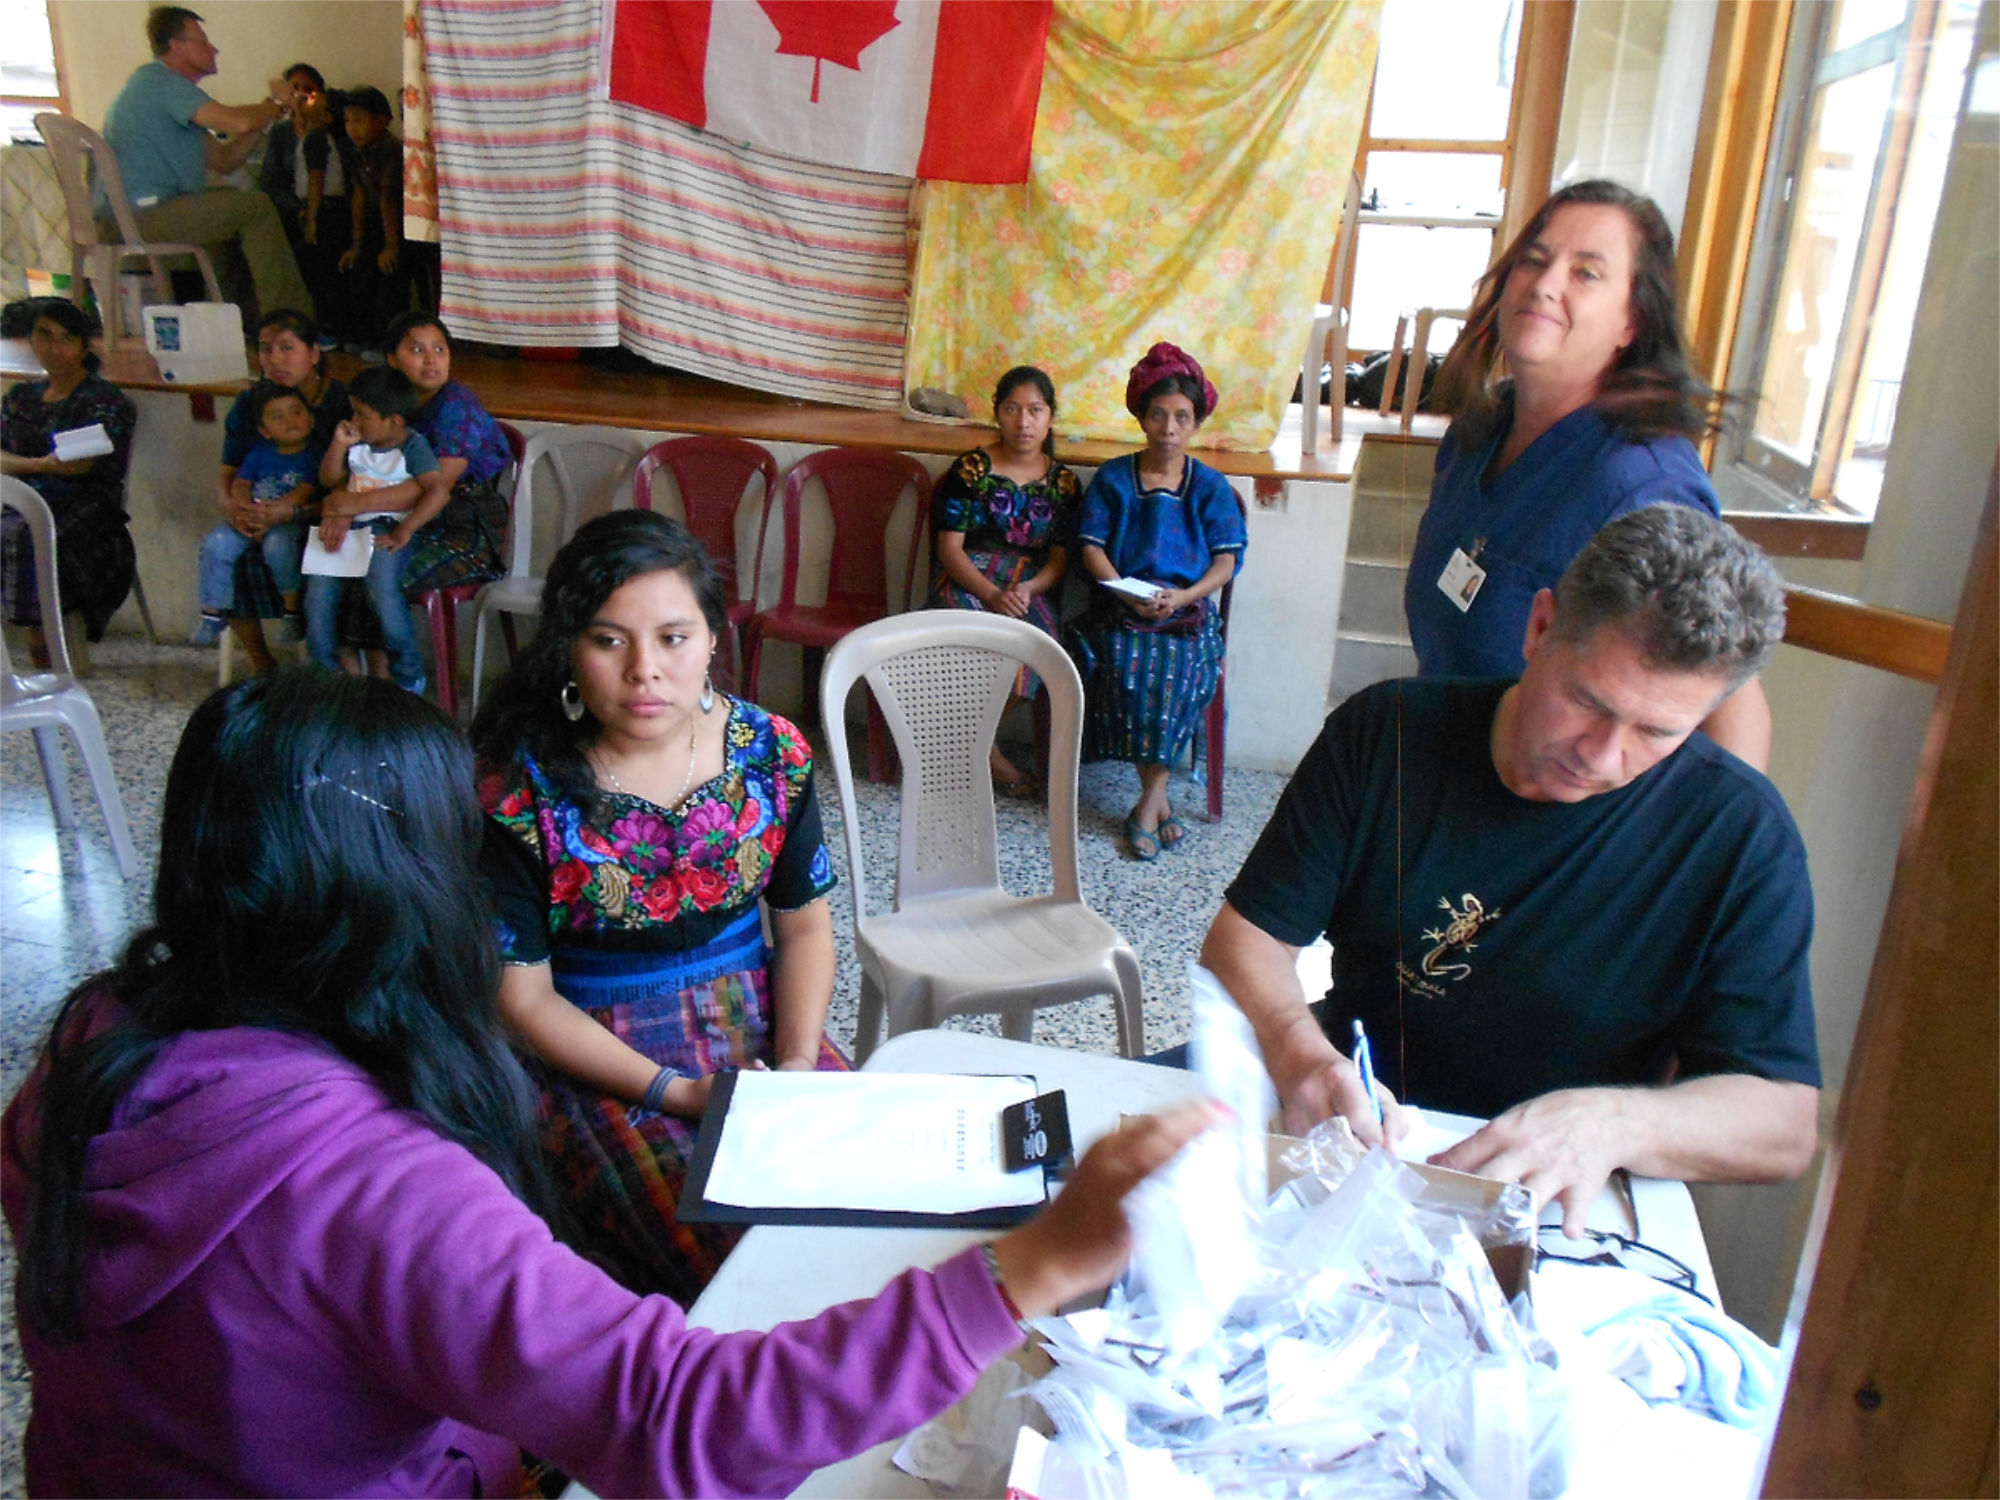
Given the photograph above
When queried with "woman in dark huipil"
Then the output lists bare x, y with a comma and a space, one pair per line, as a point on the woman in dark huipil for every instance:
94, 556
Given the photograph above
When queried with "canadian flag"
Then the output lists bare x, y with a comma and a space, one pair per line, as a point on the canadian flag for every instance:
918, 88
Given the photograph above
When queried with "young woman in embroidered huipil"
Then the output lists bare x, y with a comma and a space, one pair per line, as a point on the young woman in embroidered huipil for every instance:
1004, 517
641, 820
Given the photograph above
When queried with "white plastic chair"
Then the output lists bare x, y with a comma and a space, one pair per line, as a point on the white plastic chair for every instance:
520, 592
1417, 323
957, 943
1330, 322
95, 257
43, 700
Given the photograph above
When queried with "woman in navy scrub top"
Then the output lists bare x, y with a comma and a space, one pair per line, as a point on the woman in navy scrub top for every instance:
1595, 419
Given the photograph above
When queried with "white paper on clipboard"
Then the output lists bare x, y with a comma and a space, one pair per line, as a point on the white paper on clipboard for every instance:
882, 1142
350, 559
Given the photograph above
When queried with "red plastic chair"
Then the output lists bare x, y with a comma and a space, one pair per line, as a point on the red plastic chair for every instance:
1216, 724
441, 605
714, 475
863, 486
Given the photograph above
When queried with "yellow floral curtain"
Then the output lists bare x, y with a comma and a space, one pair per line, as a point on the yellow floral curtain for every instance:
1189, 165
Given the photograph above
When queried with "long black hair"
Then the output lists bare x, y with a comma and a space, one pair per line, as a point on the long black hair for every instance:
1650, 390
73, 321
319, 837
1037, 377
524, 712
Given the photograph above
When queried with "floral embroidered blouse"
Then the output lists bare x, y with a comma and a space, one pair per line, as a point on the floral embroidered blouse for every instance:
997, 512
646, 879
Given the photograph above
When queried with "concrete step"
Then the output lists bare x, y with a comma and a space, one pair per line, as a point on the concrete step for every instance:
1384, 527
1393, 468
1371, 598
1360, 659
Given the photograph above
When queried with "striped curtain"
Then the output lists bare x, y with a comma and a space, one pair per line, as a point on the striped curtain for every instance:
569, 220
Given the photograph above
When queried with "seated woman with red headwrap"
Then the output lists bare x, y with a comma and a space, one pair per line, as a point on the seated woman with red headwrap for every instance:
1160, 518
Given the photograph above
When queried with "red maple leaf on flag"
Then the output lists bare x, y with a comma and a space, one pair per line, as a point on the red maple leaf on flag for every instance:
835, 31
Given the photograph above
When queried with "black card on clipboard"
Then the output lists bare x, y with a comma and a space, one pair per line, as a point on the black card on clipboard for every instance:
827, 1153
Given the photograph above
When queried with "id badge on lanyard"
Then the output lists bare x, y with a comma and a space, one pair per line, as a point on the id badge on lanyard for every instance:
1461, 579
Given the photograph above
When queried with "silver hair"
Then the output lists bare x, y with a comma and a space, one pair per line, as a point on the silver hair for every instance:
1693, 595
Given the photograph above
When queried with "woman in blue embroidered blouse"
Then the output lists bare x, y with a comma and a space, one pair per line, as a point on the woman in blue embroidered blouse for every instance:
1004, 514
1161, 518
641, 825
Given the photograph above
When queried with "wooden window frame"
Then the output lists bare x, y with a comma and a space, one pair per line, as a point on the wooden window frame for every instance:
1526, 151
58, 101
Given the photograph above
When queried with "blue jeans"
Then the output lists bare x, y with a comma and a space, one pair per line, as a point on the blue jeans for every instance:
215, 576
384, 584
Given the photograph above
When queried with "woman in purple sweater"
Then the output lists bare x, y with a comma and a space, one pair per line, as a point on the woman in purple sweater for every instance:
274, 1181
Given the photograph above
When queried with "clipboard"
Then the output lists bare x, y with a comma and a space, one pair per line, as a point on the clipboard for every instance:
695, 1207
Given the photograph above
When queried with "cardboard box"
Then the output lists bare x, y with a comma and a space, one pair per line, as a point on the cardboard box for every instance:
197, 343
1471, 1198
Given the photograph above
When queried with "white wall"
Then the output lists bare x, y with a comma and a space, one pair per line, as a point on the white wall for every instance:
353, 42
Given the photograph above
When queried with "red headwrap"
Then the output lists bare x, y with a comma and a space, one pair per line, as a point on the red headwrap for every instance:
1162, 362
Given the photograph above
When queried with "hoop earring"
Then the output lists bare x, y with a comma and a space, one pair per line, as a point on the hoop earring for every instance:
707, 692
571, 700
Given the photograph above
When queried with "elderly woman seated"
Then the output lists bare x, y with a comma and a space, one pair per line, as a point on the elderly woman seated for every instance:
1166, 520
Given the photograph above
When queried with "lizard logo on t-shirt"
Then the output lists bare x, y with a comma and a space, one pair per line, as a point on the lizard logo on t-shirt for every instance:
1457, 934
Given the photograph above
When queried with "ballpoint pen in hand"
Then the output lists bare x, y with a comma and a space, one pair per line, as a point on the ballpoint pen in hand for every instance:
1365, 1061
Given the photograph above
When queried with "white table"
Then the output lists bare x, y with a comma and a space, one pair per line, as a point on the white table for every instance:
783, 1272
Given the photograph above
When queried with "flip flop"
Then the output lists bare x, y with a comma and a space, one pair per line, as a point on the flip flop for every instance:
1179, 835
1144, 846
1023, 788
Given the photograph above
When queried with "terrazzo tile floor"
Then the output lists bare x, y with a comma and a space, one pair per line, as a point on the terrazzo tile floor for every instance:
65, 912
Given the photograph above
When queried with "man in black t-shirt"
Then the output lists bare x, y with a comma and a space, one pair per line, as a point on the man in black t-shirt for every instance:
1551, 901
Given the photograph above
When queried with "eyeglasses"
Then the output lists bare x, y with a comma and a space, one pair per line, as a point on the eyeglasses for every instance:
1614, 1249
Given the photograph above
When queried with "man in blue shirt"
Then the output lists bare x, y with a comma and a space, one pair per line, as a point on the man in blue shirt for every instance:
163, 129
1552, 901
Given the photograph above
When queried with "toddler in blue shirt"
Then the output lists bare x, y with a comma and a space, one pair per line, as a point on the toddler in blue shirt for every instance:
270, 501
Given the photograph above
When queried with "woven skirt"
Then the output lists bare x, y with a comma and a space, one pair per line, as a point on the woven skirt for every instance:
623, 1167
1146, 689
1004, 569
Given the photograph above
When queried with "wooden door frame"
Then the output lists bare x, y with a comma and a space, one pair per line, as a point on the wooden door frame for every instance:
1895, 1382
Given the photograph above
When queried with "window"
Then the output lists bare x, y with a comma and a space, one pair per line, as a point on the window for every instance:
1867, 109
1434, 159
28, 80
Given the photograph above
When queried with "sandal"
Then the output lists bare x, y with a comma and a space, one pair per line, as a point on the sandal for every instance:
1144, 845
1023, 788
1172, 832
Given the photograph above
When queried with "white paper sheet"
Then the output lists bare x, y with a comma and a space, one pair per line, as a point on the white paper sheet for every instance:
887, 1142
82, 442
1138, 588
348, 560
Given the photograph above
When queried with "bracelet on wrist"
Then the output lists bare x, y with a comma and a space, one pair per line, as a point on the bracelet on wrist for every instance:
656, 1092
992, 1258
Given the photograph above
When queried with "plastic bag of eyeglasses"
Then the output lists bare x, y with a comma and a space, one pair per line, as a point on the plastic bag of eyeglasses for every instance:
1312, 1164
1192, 1222
1366, 1357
